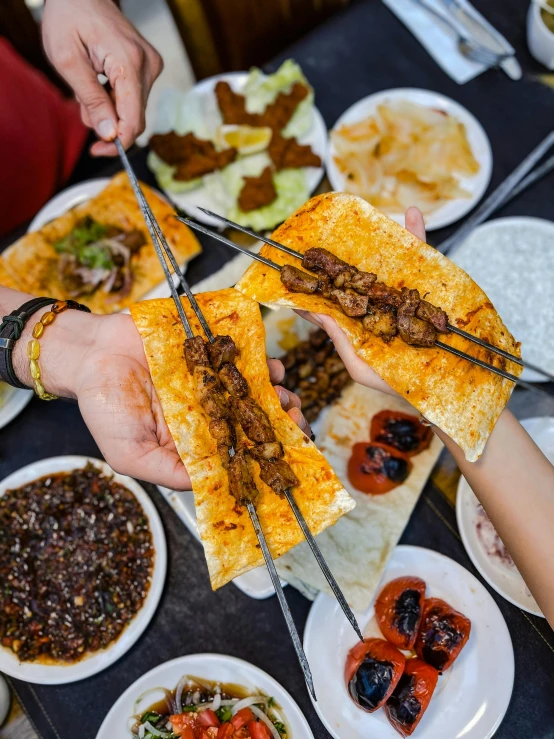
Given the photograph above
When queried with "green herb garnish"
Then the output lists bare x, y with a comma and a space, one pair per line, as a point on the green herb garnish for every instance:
281, 728
151, 716
80, 242
224, 713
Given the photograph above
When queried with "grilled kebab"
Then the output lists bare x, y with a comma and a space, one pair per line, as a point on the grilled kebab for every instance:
383, 310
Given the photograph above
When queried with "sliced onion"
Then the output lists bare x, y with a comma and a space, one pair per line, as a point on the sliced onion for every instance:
228, 702
179, 694
267, 721
165, 691
154, 731
246, 702
142, 731
216, 702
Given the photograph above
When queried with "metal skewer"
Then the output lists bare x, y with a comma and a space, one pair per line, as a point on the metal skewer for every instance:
155, 233
440, 344
452, 328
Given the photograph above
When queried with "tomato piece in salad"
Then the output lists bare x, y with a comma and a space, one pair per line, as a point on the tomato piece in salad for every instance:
258, 730
376, 468
242, 717
443, 633
181, 721
398, 610
226, 731
409, 701
208, 718
373, 669
400, 430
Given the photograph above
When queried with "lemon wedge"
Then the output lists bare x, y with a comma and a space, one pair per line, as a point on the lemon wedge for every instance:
246, 139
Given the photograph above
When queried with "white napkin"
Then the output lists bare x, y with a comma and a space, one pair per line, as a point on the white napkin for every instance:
439, 41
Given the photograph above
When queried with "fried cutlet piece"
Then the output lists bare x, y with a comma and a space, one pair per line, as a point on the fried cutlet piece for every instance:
289, 154
257, 191
233, 107
280, 111
192, 156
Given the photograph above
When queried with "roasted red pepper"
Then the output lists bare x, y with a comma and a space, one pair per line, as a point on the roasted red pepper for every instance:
442, 634
373, 669
411, 696
398, 610
377, 468
400, 430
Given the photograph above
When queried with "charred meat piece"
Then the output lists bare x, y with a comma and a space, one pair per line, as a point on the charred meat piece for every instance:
233, 381
344, 278
297, 281
222, 350
133, 240
222, 432
278, 113
429, 312
253, 419
241, 485
351, 302
413, 330
325, 285
210, 395
277, 474
317, 259
289, 154
257, 191
361, 282
233, 107
334, 364
270, 451
381, 321
192, 156
196, 353
382, 294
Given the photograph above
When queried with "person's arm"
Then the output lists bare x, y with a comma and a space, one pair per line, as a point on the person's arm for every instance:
84, 38
513, 479
100, 362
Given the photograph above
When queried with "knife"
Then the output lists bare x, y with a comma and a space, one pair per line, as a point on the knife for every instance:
480, 30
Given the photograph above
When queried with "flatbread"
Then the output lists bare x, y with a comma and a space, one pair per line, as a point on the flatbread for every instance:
227, 534
462, 399
358, 546
34, 261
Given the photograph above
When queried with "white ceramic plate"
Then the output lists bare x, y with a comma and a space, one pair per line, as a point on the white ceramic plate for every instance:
80, 193
217, 667
505, 580
471, 698
452, 210
12, 402
256, 583
316, 137
58, 674
512, 260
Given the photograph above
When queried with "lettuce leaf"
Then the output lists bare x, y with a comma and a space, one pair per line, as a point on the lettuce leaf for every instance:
164, 172
261, 90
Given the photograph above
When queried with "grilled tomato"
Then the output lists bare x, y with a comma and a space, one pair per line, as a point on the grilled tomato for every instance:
398, 610
442, 634
400, 430
376, 468
411, 696
373, 669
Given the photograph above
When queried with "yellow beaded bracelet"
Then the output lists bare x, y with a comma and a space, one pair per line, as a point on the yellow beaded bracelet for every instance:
33, 347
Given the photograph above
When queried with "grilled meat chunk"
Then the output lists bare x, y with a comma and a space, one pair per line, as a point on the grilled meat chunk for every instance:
253, 419
277, 474
351, 302
192, 157
233, 106
210, 393
361, 282
278, 113
289, 154
222, 432
317, 259
429, 312
269, 451
222, 350
380, 293
196, 353
334, 364
241, 485
413, 330
381, 321
325, 285
233, 381
297, 281
257, 191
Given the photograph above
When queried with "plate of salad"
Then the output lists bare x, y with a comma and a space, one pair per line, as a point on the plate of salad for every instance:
246, 145
205, 696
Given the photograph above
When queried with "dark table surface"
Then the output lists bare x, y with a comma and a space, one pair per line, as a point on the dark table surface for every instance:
362, 50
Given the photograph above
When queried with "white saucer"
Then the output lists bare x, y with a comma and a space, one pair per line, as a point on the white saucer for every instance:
471, 698
13, 403
452, 210
57, 674
213, 667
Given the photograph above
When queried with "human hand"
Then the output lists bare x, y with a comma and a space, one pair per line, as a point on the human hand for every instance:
359, 370
84, 38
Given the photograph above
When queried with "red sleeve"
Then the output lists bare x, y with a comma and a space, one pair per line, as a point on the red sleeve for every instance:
41, 137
